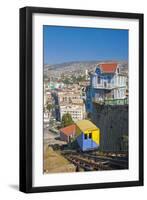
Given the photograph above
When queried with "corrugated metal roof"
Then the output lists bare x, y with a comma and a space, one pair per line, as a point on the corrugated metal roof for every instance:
85, 125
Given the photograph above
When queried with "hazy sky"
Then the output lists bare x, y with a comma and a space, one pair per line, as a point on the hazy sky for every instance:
64, 44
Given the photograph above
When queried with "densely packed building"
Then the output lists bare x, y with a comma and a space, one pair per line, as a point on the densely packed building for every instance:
70, 101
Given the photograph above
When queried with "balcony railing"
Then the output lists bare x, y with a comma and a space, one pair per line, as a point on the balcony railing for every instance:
108, 101
107, 86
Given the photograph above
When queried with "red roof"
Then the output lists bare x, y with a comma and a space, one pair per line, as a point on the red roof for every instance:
69, 130
108, 67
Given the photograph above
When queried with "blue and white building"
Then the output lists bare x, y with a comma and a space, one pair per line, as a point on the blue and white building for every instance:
106, 83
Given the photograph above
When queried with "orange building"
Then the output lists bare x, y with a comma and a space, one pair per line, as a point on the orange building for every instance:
68, 133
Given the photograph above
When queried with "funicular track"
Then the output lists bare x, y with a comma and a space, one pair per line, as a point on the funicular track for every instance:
90, 162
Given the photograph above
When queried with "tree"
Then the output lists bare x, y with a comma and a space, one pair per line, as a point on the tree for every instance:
66, 81
81, 78
49, 107
66, 120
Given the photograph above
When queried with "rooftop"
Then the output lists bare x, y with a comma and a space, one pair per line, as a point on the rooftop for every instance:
71, 105
85, 125
69, 130
108, 67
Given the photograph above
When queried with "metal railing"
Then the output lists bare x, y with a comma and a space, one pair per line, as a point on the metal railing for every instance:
110, 101
107, 86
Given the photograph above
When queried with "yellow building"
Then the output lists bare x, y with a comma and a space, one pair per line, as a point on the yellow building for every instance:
87, 135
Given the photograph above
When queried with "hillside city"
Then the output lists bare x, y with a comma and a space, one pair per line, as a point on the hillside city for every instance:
76, 91
69, 90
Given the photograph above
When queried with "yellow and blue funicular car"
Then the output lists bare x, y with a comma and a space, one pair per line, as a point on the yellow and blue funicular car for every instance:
87, 135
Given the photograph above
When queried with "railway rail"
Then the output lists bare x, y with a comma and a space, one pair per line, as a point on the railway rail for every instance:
86, 164
116, 162
90, 162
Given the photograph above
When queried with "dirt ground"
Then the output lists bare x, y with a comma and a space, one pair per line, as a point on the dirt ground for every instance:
54, 162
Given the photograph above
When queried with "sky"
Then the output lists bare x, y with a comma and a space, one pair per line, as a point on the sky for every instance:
66, 44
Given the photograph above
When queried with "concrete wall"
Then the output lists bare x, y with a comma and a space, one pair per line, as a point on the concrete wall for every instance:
113, 124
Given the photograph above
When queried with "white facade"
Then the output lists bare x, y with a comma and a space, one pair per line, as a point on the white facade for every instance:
76, 111
108, 81
69, 97
108, 85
